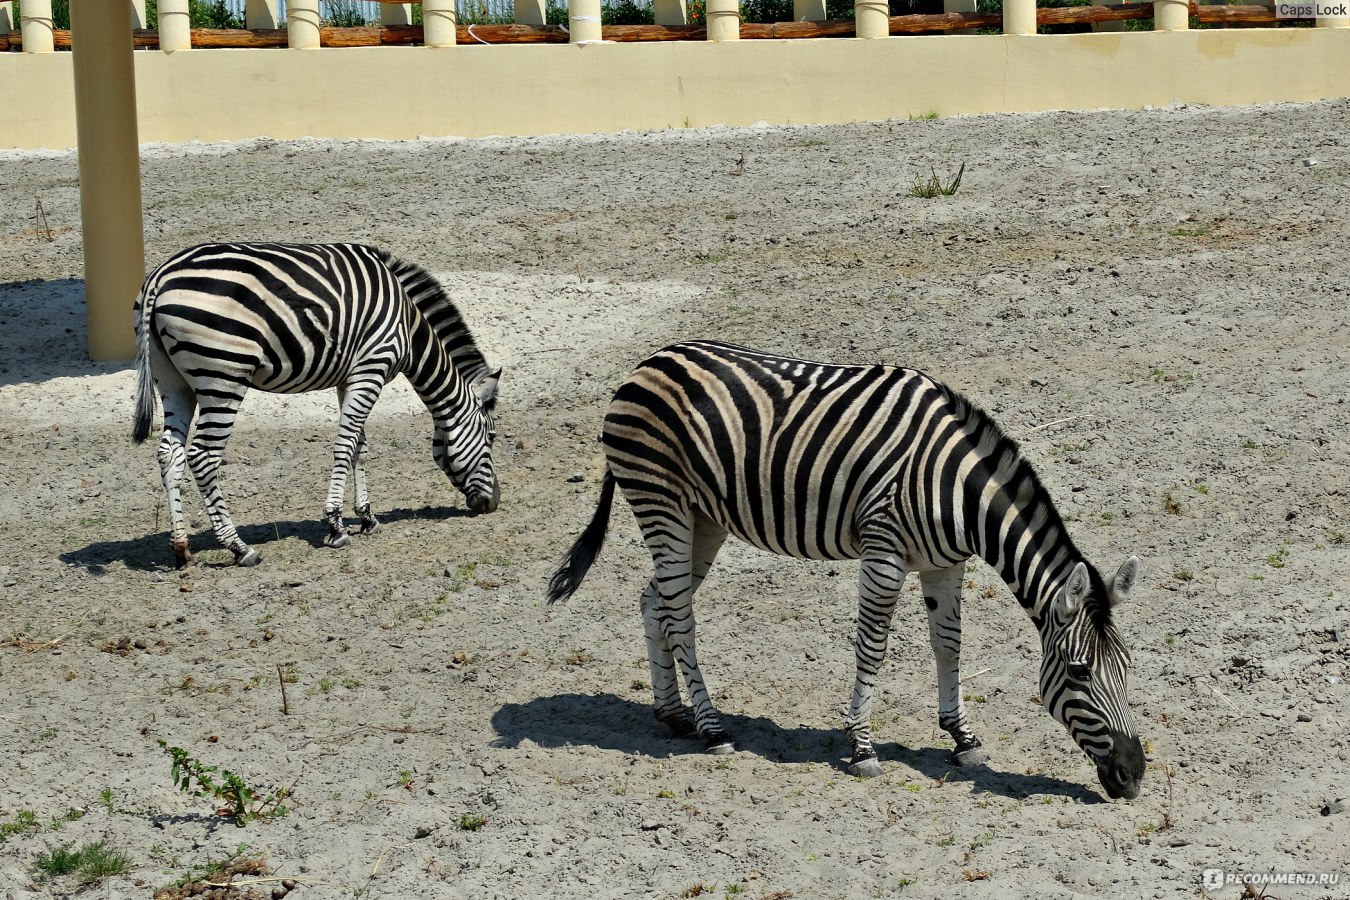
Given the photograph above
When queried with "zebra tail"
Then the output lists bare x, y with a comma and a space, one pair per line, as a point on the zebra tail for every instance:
145, 381
577, 562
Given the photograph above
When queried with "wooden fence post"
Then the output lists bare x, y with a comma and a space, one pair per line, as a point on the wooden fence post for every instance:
438, 23
583, 22
262, 14
175, 26
302, 24
669, 12
1019, 16
36, 23
724, 20
808, 10
872, 18
530, 12
1171, 15
110, 175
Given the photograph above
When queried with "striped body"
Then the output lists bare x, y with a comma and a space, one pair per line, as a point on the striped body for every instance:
876, 463
218, 319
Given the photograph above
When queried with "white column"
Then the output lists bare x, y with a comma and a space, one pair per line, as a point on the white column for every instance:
439, 25
36, 16
670, 12
138, 15
1171, 15
7, 23
302, 24
531, 12
808, 10
1019, 16
583, 21
262, 15
175, 28
110, 174
872, 18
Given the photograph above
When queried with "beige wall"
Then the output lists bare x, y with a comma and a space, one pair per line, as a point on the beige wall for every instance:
213, 95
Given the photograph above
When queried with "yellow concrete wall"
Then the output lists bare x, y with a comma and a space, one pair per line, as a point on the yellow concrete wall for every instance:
214, 95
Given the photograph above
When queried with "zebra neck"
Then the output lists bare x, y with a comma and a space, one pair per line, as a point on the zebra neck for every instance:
432, 373
1024, 539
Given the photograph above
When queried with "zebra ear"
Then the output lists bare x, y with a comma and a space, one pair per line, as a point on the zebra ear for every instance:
485, 389
1124, 580
1074, 593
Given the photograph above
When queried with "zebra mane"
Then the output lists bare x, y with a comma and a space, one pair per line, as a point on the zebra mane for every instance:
979, 424
431, 298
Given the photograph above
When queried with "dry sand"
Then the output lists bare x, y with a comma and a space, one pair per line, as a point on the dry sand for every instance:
1155, 302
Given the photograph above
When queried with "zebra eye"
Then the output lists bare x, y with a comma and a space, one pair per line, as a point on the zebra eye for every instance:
1080, 671
492, 435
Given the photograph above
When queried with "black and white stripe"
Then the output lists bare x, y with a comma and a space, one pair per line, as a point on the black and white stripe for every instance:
876, 463
218, 319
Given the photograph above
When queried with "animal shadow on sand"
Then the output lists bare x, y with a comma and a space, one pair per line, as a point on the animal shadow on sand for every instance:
150, 552
609, 722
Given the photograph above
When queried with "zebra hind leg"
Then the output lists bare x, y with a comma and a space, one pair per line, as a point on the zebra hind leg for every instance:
708, 539
942, 597
179, 408
879, 583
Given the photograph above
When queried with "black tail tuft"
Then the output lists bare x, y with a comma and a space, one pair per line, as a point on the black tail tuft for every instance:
145, 381
577, 562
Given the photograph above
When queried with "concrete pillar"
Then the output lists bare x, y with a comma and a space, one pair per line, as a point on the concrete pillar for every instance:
583, 22
263, 14
529, 12
872, 18
1019, 16
808, 10
302, 24
138, 15
36, 24
1171, 15
175, 28
7, 23
670, 12
438, 23
110, 174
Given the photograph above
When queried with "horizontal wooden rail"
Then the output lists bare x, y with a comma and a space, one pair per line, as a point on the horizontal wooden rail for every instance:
393, 35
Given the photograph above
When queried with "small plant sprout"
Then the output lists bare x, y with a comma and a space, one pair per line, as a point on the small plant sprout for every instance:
471, 822
236, 799
1185, 575
935, 186
105, 797
1277, 559
1171, 505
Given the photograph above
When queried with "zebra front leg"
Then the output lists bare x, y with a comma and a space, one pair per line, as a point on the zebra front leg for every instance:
879, 583
355, 402
942, 596
369, 524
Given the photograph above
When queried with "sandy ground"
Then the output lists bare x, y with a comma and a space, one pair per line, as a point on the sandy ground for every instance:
1154, 302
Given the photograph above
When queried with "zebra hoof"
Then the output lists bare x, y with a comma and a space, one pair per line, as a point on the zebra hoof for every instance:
720, 745
681, 725
249, 559
335, 541
870, 767
370, 527
971, 756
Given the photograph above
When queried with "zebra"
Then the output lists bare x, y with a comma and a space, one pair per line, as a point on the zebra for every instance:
878, 463
217, 319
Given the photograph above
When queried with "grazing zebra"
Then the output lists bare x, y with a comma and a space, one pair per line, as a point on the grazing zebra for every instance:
218, 319
879, 463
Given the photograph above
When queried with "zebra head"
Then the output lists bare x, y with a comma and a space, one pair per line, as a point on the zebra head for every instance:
462, 446
1083, 674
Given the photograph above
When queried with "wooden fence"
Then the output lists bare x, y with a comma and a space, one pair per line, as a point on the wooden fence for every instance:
470, 35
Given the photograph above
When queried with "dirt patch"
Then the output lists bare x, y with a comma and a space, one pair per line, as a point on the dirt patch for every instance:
1155, 303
